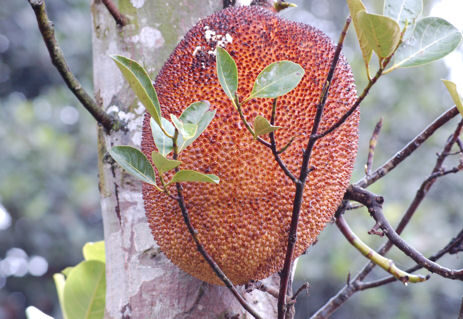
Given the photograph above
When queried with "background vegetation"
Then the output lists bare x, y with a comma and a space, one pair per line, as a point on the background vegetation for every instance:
49, 201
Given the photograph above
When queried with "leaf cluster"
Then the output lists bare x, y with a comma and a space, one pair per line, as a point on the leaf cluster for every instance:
169, 136
402, 33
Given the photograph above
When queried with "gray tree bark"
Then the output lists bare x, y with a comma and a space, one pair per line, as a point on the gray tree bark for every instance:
141, 281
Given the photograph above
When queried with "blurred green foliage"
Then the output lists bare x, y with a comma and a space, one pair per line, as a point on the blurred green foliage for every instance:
48, 176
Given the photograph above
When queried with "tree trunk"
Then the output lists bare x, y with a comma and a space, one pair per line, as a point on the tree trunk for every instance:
141, 281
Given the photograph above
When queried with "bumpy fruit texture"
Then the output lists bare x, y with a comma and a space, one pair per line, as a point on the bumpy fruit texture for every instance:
244, 221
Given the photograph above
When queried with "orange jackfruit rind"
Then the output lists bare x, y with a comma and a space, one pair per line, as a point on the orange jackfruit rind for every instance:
243, 222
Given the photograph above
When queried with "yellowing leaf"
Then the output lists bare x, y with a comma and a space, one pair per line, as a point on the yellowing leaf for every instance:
452, 88
382, 33
355, 6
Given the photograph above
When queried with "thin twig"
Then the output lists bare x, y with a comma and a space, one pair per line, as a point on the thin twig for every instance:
57, 58
193, 232
304, 287
262, 287
385, 263
450, 248
120, 19
304, 172
359, 100
374, 204
408, 149
372, 146
273, 146
348, 290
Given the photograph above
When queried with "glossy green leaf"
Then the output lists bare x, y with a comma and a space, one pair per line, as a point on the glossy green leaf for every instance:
60, 283
84, 292
164, 143
134, 162
262, 126
141, 84
452, 88
405, 12
432, 39
197, 113
355, 6
382, 33
164, 164
194, 176
94, 251
277, 79
187, 130
227, 72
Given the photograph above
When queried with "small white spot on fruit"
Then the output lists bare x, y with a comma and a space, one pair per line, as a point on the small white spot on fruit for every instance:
196, 50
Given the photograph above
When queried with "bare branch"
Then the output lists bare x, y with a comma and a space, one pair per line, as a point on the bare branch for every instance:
408, 149
372, 146
374, 204
359, 100
348, 290
451, 248
262, 287
57, 58
385, 263
120, 19
304, 172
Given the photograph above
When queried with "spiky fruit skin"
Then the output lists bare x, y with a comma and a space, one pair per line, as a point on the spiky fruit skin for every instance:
244, 221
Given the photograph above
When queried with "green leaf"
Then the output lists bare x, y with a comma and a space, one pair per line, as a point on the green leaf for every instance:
262, 126
84, 292
94, 251
60, 283
196, 113
452, 88
405, 12
66, 271
163, 164
164, 143
382, 33
187, 130
277, 79
227, 72
432, 39
355, 6
134, 162
141, 84
194, 176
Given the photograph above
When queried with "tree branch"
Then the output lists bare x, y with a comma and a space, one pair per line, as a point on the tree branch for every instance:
304, 172
372, 146
57, 58
451, 248
348, 290
412, 146
120, 19
374, 204
385, 263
